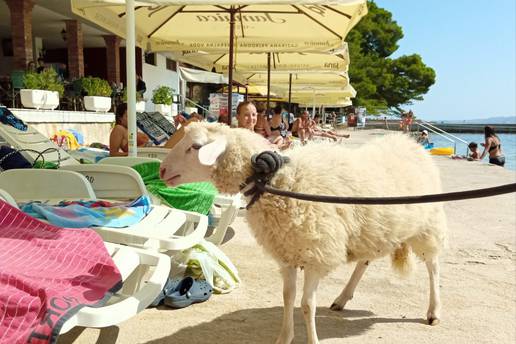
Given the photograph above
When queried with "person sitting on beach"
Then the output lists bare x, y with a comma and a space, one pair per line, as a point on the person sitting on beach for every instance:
473, 148
278, 128
262, 126
247, 116
118, 139
423, 138
301, 127
493, 147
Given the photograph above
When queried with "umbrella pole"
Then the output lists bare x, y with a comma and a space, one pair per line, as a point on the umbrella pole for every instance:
230, 71
290, 92
130, 47
313, 106
268, 82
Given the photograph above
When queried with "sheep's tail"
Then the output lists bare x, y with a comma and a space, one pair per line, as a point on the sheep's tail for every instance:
403, 260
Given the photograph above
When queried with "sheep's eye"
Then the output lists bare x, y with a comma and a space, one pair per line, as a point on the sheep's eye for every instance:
194, 146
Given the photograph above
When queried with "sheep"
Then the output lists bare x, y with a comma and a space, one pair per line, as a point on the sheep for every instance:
318, 237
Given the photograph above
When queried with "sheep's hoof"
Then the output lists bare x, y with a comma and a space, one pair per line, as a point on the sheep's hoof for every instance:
336, 307
433, 321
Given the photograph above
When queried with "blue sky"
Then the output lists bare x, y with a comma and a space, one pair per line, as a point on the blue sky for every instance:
471, 45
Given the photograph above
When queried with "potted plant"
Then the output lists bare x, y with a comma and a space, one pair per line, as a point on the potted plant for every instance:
98, 92
162, 99
42, 90
140, 102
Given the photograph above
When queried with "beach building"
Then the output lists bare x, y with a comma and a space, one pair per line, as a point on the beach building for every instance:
48, 29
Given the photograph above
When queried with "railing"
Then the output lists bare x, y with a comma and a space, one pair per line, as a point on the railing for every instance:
206, 111
449, 137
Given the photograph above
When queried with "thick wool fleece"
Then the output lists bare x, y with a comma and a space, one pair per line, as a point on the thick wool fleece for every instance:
320, 235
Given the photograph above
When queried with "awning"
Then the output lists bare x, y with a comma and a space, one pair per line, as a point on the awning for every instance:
200, 76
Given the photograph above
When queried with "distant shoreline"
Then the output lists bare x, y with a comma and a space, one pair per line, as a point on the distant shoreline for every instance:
449, 127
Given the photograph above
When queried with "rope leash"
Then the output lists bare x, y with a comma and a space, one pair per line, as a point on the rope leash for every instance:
266, 164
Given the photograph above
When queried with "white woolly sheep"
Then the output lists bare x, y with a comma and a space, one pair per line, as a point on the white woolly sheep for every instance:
319, 236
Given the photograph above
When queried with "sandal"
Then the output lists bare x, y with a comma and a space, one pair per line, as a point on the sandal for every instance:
169, 286
187, 292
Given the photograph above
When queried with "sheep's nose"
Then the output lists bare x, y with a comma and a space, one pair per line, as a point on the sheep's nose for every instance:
162, 171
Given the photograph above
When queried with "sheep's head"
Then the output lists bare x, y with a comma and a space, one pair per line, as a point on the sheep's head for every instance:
211, 152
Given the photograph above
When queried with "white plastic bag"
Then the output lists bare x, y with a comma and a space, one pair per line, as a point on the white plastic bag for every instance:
207, 261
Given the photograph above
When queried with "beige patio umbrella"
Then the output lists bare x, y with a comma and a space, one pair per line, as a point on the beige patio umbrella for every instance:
260, 25
284, 62
298, 84
299, 80
256, 68
223, 26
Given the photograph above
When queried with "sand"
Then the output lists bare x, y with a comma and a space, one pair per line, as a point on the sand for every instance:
478, 282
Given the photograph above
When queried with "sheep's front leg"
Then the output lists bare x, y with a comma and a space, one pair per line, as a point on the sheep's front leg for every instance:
289, 296
308, 304
349, 290
434, 309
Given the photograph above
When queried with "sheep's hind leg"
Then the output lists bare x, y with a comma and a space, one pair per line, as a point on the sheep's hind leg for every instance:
308, 304
434, 309
349, 290
289, 296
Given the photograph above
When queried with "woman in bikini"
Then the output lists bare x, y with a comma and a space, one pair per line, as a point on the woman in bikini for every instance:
279, 129
262, 126
493, 146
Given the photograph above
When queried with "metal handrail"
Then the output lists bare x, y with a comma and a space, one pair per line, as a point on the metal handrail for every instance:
444, 134
197, 105
442, 131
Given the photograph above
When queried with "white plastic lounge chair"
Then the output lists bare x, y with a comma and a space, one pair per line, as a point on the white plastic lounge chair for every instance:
136, 293
163, 229
224, 210
33, 139
153, 152
49, 185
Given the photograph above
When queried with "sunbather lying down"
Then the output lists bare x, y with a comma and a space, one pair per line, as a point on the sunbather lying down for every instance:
318, 131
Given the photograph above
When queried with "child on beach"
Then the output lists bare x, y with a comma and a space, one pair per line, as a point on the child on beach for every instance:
472, 156
475, 154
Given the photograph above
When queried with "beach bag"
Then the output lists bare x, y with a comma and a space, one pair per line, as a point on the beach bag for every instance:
10, 158
206, 261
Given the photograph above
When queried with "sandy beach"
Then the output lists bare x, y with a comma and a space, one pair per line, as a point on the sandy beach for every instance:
478, 285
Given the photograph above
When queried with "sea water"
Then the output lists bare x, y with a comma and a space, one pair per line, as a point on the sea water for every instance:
508, 142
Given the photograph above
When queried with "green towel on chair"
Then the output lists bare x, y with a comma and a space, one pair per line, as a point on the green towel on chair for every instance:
196, 197
45, 165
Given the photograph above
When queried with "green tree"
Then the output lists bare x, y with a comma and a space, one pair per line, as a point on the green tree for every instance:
384, 84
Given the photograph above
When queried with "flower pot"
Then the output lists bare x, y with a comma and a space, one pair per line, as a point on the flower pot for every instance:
140, 106
165, 110
39, 99
97, 104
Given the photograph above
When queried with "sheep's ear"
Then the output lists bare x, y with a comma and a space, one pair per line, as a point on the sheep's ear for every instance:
209, 153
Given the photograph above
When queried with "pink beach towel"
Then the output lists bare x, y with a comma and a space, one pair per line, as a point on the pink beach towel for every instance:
47, 274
